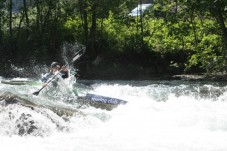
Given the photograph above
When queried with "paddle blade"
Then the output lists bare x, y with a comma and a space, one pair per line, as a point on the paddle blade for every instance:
77, 56
36, 93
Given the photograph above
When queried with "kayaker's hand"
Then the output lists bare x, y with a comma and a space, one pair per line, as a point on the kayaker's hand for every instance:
45, 85
64, 68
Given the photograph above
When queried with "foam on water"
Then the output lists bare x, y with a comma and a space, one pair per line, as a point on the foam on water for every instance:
157, 117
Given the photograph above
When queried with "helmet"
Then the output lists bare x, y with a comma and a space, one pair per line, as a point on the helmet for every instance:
55, 64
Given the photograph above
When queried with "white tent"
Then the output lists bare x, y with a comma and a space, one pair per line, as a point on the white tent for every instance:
140, 8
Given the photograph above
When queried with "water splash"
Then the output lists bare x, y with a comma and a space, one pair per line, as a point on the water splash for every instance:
158, 116
69, 50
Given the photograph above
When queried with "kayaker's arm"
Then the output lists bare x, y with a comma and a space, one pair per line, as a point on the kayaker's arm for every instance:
46, 77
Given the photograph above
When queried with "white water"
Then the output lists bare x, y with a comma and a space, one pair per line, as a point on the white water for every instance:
158, 117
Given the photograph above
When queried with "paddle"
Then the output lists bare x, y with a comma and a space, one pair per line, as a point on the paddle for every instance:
77, 56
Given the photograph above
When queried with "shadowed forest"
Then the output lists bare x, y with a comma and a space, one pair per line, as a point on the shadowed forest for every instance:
168, 37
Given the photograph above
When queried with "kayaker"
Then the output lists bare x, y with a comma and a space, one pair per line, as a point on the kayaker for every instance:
55, 69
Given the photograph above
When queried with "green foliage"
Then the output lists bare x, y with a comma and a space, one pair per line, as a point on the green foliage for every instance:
74, 32
208, 55
193, 29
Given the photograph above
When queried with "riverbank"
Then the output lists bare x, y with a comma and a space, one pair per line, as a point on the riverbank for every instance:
122, 73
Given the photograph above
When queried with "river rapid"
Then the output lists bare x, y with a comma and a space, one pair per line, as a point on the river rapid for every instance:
159, 116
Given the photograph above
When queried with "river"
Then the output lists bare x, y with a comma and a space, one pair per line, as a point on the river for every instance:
159, 116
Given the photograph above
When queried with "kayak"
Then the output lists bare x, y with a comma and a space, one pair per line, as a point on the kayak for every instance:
104, 99
99, 101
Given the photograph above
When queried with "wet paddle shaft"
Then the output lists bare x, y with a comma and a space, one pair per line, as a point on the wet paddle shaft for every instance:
77, 56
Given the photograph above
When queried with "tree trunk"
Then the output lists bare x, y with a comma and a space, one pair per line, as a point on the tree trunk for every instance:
192, 20
220, 19
84, 18
141, 23
11, 49
38, 15
0, 31
10, 21
93, 29
26, 13
85, 28
176, 10
39, 24
19, 27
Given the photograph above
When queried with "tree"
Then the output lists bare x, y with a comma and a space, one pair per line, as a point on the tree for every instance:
2, 19
217, 9
95, 10
10, 22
